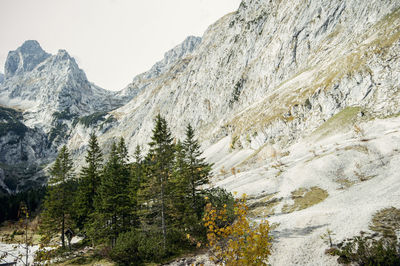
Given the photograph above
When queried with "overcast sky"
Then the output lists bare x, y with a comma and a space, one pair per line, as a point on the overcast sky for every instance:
112, 40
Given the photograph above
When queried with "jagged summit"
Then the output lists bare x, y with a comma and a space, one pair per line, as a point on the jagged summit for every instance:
170, 59
42, 84
300, 96
171, 56
24, 59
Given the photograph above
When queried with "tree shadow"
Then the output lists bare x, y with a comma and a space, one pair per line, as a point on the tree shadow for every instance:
295, 232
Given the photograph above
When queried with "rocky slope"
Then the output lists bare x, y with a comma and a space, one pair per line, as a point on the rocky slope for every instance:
274, 71
42, 84
171, 57
48, 95
295, 103
51, 97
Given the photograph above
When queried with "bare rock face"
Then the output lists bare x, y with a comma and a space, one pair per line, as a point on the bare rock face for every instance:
42, 98
275, 71
170, 59
300, 96
43, 85
1, 78
24, 59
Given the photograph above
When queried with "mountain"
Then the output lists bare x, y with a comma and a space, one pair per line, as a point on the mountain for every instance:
1, 78
255, 78
171, 57
24, 59
296, 104
43, 85
42, 97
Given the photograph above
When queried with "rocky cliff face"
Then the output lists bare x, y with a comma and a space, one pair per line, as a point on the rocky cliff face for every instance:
49, 95
43, 85
274, 71
296, 103
24, 59
171, 57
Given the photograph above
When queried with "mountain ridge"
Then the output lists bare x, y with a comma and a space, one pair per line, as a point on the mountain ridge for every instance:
289, 99
175, 54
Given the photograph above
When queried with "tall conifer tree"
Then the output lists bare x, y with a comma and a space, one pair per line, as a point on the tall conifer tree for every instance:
89, 182
114, 210
156, 196
56, 216
198, 170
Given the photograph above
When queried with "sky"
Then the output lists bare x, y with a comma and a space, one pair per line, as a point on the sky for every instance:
111, 40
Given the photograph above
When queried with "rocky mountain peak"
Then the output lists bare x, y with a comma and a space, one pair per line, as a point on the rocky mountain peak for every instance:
63, 55
173, 55
170, 59
25, 58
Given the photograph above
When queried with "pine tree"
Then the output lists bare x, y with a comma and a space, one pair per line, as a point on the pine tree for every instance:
137, 169
113, 215
198, 171
136, 172
89, 182
58, 202
155, 194
179, 185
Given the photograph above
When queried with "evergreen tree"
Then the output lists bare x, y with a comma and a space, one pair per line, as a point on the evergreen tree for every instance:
197, 173
89, 182
56, 216
137, 169
136, 178
180, 185
155, 194
113, 215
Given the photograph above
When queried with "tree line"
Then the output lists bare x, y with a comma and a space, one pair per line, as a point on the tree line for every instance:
143, 211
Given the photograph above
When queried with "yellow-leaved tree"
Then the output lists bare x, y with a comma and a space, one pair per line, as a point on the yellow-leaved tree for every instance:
239, 243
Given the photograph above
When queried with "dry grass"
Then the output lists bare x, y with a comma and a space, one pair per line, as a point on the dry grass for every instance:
305, 198
342, 120
386, 222
359, 148
13, 233
263, 207
345, 183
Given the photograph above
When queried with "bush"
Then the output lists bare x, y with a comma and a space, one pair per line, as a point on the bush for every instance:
126, 250
136, 247
150, 247
365, 250
219, 197
240, 243
92, 119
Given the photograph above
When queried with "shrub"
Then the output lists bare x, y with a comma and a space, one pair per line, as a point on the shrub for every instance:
126, 250
365, 250
150, 247
136, 247
218, 198
92, 119
240, 243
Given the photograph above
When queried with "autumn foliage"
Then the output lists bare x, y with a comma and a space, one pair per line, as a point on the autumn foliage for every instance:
239, 243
